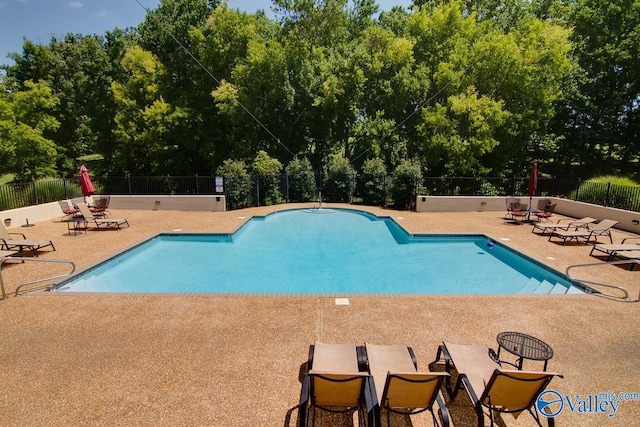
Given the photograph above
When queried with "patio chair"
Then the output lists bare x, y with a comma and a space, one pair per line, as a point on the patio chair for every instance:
400, 388
489, 386
100, 207
603, 228
611, 249
573, 223
546, 213
511, 202
101, 223
9, 243
335, 384
68, 209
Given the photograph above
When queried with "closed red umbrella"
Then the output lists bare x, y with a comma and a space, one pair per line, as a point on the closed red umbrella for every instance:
533, 185
85, 182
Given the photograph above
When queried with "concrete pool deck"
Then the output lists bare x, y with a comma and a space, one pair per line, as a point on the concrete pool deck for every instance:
205, 360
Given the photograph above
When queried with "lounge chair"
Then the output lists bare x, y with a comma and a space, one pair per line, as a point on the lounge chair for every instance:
336, 384
603, 228
102, 223
7, 254
9, 243
631, 256
491, 387
559, 225
611, 249
400, 388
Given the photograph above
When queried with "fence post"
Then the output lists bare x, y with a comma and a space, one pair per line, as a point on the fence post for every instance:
35, 192
287, 186
64, 186
129, 182
384, 190
197, 186
606, 199
257, 190
577, 191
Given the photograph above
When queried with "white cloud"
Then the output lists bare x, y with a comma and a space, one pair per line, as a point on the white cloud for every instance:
76, 4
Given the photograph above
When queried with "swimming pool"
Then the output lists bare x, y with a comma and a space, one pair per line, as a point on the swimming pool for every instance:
320, 251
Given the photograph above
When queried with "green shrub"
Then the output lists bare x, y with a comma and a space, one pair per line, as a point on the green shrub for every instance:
339, 180
372, 182
237, 183
302, 180
487, 189
267, 171
406, 184
608, 190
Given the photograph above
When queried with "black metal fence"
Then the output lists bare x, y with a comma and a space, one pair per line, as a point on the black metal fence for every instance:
50, 190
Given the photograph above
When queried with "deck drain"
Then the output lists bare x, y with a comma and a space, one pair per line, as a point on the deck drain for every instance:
342, 301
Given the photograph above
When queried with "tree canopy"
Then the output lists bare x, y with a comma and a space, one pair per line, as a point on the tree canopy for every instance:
452, 87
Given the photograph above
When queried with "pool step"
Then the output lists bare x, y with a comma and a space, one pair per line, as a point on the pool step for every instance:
535, 286
559, 289
544, 288
530, 286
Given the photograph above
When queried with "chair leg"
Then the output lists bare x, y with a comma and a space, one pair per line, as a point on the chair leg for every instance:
480, 415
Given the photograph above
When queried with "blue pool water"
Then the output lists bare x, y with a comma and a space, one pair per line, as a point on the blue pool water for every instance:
325, 251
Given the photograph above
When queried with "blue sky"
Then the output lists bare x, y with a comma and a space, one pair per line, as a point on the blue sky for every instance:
38, 20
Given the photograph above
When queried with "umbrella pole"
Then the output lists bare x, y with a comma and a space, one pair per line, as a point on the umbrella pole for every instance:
529, 210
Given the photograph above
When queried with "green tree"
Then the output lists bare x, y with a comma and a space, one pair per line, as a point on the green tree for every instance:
24, 118
79, 70
146, 125
600, 122
504, 86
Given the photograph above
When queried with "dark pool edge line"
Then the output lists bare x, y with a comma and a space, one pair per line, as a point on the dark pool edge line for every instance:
373, 216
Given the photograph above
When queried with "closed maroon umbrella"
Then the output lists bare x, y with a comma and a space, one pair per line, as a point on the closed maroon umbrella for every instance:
85, 183
533, 186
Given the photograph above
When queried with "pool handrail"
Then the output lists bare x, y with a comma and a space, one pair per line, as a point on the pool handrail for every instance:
3, 295
625, 298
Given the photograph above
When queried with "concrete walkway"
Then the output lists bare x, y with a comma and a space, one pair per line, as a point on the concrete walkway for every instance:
206, 360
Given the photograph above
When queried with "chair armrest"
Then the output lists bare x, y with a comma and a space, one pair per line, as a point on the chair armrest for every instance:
630, 238
20, 234
363, 360
462, 379
310, 358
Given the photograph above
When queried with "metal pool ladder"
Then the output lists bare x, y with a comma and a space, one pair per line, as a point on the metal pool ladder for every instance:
593, 291
3, 294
